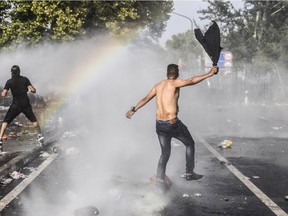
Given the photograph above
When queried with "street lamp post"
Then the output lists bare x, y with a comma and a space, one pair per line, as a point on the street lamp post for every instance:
186, 18
191, 27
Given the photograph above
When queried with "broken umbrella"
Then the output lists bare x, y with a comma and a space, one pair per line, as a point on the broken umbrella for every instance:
210, 41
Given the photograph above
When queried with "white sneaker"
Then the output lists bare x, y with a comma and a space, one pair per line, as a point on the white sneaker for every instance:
40, 137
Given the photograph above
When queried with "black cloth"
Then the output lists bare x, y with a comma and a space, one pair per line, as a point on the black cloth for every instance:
19, 88
14, 110
210, 41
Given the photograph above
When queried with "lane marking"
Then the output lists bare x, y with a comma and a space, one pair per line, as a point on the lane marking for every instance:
22, 185
273, 121
245, 180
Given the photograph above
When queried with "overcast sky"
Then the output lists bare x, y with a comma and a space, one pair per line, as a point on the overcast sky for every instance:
177, 24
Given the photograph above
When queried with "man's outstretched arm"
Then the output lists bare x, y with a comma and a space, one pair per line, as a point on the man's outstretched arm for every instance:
196, 79
141, 103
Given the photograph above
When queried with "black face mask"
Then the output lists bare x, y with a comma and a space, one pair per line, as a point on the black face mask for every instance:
15, 74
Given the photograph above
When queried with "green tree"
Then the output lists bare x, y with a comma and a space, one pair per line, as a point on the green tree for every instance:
33, 22
184, 46
256, 31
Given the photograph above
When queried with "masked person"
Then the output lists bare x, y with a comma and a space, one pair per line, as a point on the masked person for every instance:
168, 126
19, 86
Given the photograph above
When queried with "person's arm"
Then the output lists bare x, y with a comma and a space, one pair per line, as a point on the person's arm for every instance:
196, 79
4, 92
6, 88
141, 103
31, 88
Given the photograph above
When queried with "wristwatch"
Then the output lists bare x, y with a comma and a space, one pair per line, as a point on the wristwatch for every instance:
133, 109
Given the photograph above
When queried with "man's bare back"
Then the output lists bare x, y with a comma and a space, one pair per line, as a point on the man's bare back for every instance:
167, 95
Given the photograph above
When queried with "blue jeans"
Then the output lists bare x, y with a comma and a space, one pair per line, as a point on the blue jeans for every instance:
166, 131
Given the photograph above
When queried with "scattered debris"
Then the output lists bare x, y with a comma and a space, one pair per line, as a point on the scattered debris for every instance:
86, 211
255, 177
286, 197
4, 107
17, 175
185, 195
44, 155
2, 153
12, 135
246, 177
68, 134
276, 128
17, 124
225, 144
198, 194
5, 181
25, 132
224, 162
31, 169
226, 199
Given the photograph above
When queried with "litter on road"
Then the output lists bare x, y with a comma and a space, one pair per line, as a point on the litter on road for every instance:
17, 175
6, 181
198, 194
225, 144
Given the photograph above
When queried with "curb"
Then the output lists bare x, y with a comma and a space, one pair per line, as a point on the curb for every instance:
21, 160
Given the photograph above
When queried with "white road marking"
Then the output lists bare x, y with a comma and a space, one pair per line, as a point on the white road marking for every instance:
19, 188
245, 180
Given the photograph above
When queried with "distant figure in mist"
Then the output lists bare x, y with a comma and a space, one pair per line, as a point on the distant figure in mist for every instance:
19, 86
168, 126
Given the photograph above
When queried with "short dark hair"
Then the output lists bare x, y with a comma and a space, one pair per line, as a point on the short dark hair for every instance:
15, 70
173, 70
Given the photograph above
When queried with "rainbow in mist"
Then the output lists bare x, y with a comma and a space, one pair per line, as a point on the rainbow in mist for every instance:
84, 74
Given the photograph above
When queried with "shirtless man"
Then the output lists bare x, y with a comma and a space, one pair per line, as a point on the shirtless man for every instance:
168, 126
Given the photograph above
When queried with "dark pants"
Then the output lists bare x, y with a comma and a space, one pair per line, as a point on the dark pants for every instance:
15, 109
166, 131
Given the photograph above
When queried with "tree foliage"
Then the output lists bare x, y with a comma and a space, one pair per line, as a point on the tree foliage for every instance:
33, 22
184, 46
257, 31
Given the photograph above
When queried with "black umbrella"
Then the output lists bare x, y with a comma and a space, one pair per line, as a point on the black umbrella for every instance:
210, 42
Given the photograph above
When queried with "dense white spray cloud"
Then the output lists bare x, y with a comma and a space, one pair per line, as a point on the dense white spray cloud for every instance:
106, 143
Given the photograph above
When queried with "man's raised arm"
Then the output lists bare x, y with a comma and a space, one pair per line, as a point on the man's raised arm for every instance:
196, 79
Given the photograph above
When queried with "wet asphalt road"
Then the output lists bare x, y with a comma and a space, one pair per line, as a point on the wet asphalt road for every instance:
262, 158
221, 192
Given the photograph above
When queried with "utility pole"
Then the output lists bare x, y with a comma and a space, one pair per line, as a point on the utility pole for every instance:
191, 29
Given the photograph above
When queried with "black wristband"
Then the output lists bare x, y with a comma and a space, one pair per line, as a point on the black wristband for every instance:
133, 109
